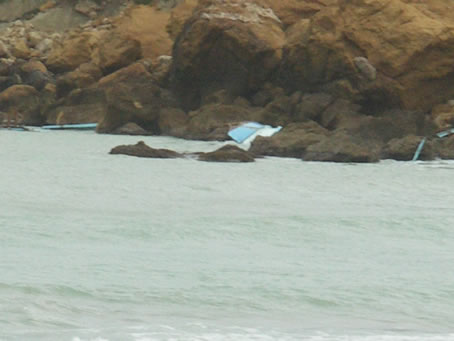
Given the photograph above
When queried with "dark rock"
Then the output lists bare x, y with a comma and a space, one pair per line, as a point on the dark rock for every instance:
340, 147
444, 148
130, 128
172, 122
140, 149
87, 105
225, 45
403, 149
311, 107
291, 141
227, 153
213, 121
133, 96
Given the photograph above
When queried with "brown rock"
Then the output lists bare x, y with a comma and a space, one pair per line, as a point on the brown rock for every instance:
213, 121
19, 49
172, 122
116, 51
291, 141
339, 147
397, 39
142, 150
444, 148
84, 76
146, 25
404, 149
227, 153
75, 50
178, 16
26, 100
133, 96
231, 45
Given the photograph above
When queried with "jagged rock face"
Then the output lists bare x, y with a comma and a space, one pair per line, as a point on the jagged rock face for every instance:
133, 96
232, 45
410, 48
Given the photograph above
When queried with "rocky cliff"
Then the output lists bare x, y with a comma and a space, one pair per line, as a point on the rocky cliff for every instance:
348, 79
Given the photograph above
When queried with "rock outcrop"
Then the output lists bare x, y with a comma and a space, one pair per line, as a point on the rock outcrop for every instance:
233, 45
140, 149
227, 153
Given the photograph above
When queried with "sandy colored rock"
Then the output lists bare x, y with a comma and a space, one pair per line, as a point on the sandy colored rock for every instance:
400, 40
73, 51
147, 25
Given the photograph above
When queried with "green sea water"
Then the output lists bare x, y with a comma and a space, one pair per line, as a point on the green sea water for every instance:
101, 247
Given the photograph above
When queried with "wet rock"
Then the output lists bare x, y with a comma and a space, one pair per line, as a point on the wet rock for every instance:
140, 149
339, 147
227, 153
444, 148
213, 121
130, 128
291, 141
403, 149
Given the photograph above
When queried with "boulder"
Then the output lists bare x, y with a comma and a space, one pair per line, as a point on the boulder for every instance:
291, 141
88, 105
233, 45
84, 76
116, 51
403, 149
340, 147
140, 149
385, 57
76, 49
213, 121
133, 96
227, 153
444, 148
26, 100
172, 122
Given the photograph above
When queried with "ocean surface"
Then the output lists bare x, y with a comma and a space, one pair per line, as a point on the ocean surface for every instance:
99, 247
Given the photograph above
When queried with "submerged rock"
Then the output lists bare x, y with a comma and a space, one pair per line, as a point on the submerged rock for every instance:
130, 128
140, 149
227, 153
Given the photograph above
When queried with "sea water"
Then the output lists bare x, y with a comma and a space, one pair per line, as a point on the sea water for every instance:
107, 247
